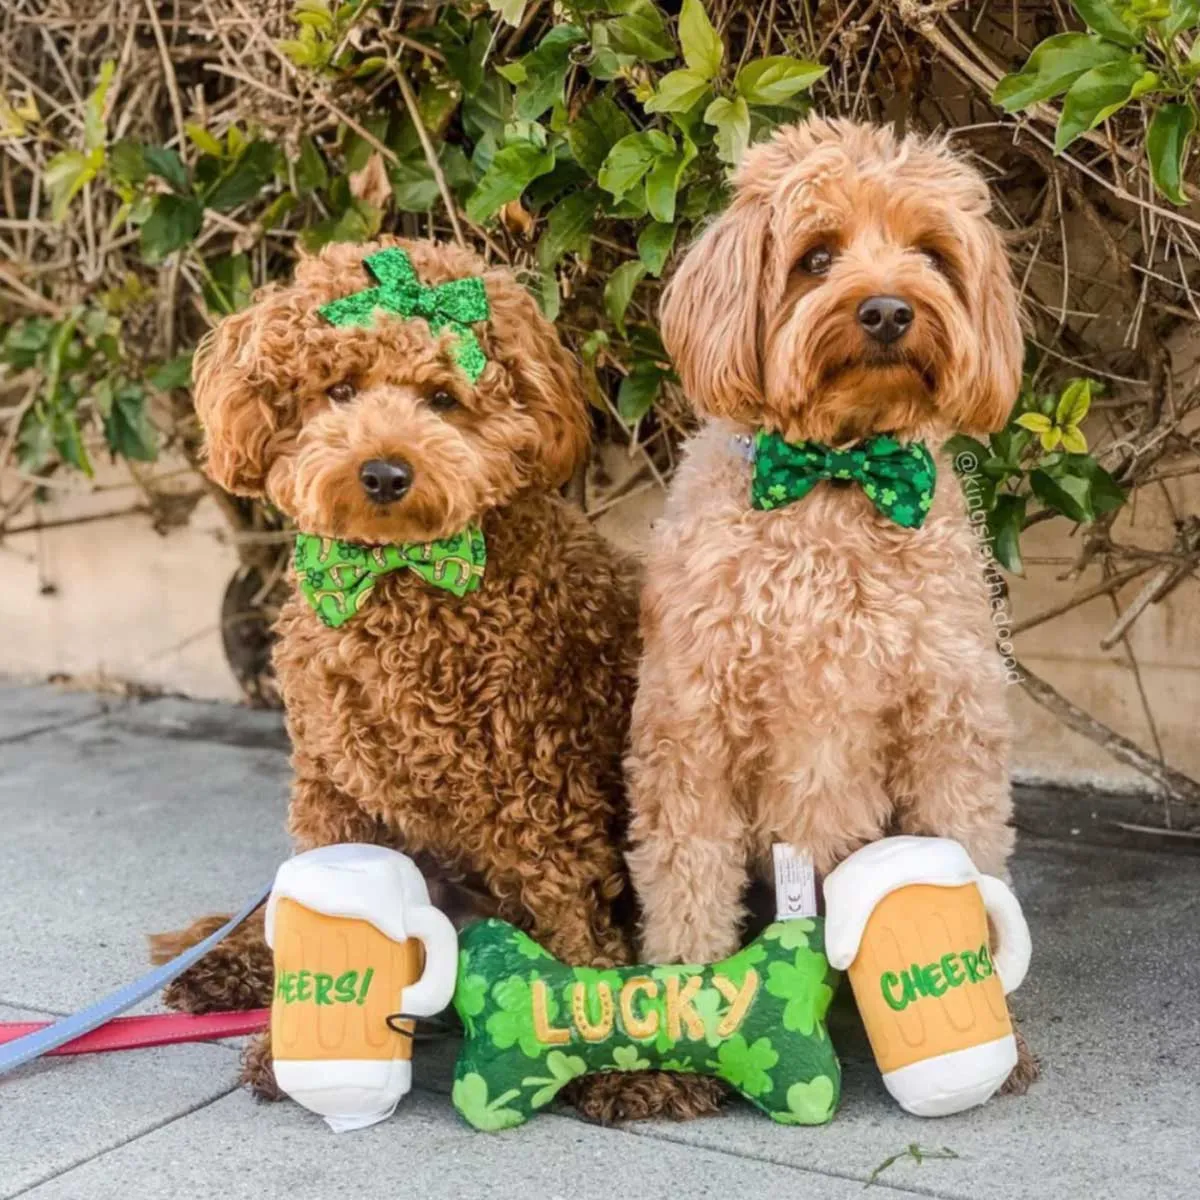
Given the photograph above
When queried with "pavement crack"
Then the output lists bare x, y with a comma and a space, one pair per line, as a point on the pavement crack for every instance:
118, 1145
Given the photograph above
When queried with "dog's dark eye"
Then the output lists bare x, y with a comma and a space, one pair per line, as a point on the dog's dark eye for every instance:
818, 260
935, 260
443, 401
341, 393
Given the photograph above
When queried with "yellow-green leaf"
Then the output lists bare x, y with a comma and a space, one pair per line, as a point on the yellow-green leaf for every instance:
1050, 438
677, 92
732, 119
1167, 146
1099, 93
776, 79
1073, 440
1034, 422
93, 117
702, 48
203, 140
1074, 402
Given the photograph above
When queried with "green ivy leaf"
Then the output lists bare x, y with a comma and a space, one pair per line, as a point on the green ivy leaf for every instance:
641, 31
511, 171
654, 245
228, 287
702, 47
662, 182
174, 373
127, 427
126, 162
1053, 67
776, 79
677, 92
1104, 18
253, 168
619, 289
638, 390
1099, 93
631, 158
732, 120
597, 129
311, 173
1005, 522
1104, 493
68, 441
569, 226
174, 221
1167, 146
1067, 494
166, 164
545, 70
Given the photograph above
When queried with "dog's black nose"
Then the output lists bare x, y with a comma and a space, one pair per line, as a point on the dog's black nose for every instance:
885, 318
385, 480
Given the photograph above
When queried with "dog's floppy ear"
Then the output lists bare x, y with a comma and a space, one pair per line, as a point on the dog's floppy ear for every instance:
991, 389
711, 315
546, 377
235, 397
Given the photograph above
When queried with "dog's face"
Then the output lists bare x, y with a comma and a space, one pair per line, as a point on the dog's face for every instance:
854, 286
375, 433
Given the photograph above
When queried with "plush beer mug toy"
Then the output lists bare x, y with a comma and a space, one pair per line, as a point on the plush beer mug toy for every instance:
908, 918
358, 950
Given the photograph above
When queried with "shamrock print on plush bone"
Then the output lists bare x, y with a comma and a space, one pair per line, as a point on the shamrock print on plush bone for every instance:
754, 1020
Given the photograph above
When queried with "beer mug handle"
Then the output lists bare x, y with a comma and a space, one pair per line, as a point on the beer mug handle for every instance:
434, 990
1011, 956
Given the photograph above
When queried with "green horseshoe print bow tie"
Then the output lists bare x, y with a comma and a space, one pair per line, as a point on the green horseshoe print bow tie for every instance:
897, 478
336, 577
454, 305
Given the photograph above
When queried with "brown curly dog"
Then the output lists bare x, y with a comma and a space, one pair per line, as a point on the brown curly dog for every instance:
815, 672
481, 733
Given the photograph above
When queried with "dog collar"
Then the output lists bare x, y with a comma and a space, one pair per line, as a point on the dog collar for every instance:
897, 478
336, 577
453, 305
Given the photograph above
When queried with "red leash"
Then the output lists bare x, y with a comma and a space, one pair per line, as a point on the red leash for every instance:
159, 1029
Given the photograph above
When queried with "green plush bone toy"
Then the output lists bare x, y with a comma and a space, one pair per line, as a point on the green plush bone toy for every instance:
754, 1020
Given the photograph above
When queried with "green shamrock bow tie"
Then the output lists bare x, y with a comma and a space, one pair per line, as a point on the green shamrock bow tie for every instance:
898, 479
452, 305
336, 577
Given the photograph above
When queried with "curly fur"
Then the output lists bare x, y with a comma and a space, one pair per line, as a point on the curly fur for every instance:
485, 733
817, 674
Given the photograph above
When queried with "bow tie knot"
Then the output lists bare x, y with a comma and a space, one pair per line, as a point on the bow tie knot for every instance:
897, 478
336, 577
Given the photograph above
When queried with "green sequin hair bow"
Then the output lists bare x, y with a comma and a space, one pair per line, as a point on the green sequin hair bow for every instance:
454, 305
897, 478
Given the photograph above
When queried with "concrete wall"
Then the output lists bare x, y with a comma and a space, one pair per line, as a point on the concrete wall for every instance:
130, 605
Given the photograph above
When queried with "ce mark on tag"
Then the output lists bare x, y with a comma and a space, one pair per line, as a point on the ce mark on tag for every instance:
795, 883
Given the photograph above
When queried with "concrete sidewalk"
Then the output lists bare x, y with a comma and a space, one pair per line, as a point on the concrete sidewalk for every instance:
121, 817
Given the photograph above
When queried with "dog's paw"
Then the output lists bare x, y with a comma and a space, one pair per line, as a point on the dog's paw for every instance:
237, 974
1025, 1074
638, 1095
258, 1069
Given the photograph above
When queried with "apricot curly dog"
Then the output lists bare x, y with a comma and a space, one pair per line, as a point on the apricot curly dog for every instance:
458, 659
819, 663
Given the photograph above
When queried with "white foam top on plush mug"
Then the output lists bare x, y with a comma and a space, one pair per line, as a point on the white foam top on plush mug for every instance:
369, 883
855, 887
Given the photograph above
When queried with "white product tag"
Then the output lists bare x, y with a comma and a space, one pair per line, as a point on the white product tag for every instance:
795, 883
